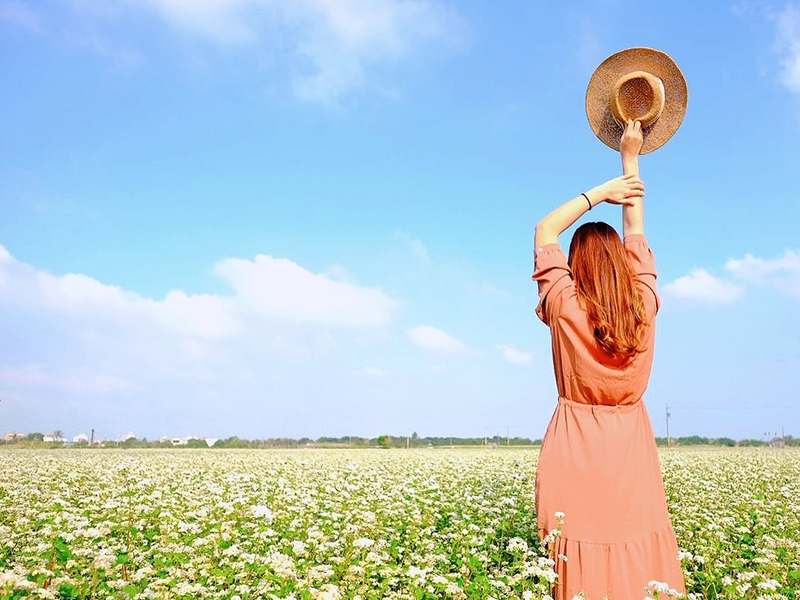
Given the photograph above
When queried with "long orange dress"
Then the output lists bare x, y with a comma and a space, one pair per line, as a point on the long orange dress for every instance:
599, 462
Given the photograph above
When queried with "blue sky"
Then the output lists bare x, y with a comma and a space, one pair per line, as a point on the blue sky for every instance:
273, 218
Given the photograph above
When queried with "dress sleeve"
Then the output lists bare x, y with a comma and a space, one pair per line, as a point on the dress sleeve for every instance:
643, 262
553, 275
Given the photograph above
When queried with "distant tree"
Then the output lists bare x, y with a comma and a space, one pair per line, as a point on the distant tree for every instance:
414, 435
749, 442
384, 441
58, 434
36, 437
726, 441
232, 442
194, 443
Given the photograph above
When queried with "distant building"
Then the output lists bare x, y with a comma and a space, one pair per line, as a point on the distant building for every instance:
81, 438
13, 436
182, 441
49, 437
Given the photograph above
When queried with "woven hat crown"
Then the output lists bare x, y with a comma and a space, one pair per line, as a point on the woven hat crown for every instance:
640, 84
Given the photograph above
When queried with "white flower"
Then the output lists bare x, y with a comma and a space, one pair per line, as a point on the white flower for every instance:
260, 510
517, 544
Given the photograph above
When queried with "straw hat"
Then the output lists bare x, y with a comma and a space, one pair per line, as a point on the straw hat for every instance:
637, 83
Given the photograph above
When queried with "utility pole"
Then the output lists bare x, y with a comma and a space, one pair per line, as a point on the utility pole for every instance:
508, 438
668, 441
91, 443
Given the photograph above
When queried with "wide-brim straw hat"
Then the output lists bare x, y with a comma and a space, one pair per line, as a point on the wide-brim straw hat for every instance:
641, 84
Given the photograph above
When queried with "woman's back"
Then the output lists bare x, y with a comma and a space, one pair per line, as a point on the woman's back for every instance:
584, 371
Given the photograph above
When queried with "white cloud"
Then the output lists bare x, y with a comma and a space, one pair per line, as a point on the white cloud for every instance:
782, 273
515, 355
417, 247
221, 21
372, 372
279, 288
787, 45
701, 286
80, 381
436, 340
82, 298
20, 15
331, 47
77, 349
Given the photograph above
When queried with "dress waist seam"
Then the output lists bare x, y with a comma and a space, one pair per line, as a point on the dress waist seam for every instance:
666, 528
575, 403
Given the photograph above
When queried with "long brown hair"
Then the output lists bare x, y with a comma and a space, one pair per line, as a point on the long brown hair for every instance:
606, 286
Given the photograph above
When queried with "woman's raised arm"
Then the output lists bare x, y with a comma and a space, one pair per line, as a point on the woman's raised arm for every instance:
626, 189
629, 147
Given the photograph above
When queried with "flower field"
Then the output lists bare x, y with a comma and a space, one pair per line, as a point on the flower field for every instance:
368, 524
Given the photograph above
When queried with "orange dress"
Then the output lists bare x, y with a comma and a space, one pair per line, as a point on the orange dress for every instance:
599, 462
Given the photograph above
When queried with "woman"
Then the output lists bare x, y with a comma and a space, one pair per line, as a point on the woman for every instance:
599, 463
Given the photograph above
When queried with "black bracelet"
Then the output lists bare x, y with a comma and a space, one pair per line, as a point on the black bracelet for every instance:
587, 199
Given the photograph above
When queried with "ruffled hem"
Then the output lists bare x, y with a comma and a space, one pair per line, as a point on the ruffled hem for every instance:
616, 571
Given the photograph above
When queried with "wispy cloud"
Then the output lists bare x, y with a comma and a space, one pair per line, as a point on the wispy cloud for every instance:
22, 15
786, 42
328, 49
703, 287
436, 340
372, 372
781, 273
417, 247
515, 355
787, 45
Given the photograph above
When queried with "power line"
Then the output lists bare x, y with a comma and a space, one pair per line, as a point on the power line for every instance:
732, 408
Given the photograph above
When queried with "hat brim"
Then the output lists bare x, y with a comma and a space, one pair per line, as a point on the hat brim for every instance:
601, 84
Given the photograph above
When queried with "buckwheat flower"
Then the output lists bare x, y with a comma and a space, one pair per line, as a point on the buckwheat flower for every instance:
363, 543
658, 586
563, 557
299, 548
770, 584
517, 544
262, 511
329, 592
453, 588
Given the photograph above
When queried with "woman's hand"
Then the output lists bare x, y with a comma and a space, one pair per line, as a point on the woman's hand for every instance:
630, 144
621, 190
